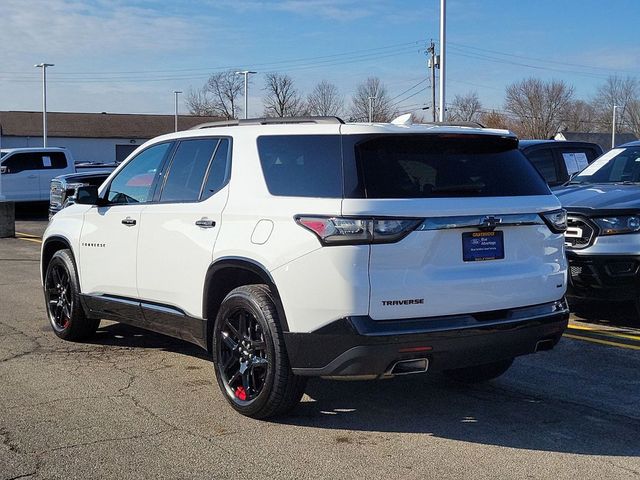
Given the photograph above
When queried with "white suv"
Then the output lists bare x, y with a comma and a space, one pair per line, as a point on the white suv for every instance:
310, 247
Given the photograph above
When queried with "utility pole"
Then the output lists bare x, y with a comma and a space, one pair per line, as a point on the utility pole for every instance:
433, 64
246, 74
175, 114
613, 127
443, 43
371, 99
44, 66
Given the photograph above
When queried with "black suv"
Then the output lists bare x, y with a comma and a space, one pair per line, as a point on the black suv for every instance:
557, 160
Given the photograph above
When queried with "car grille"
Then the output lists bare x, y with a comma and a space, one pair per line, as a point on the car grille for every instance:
56, 195
580, 233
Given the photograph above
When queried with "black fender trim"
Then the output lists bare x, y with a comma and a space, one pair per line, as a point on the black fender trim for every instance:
250, 266
49, 241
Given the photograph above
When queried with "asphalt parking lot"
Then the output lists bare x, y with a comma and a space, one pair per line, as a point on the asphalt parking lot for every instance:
132, 404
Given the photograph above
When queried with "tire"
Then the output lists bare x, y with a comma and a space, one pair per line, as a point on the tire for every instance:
62, 300
249, 354
480, 373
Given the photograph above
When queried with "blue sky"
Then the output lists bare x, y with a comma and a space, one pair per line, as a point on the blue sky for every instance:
129, 56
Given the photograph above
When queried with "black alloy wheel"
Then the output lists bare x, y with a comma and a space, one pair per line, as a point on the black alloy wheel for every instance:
62, 297
250, 357
59, 297
243, 360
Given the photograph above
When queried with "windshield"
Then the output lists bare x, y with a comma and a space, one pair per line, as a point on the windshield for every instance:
620, 165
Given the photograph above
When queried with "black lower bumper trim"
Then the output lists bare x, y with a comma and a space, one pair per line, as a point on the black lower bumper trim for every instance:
609, 277
359, 345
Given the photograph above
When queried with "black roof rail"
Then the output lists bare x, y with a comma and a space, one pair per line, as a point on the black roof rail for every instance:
269, 121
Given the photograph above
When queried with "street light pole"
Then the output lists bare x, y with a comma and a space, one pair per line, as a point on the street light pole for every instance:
371, 99
44, 100
443, 43
176, 93
613, 127
246, 74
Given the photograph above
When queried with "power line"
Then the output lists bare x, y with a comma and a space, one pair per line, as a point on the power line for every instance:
410, 96
355, 54
409, 89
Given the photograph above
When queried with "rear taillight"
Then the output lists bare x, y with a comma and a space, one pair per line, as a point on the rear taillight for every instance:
357, 230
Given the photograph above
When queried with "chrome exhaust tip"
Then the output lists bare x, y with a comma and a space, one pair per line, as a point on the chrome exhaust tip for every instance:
407, 367
543, 345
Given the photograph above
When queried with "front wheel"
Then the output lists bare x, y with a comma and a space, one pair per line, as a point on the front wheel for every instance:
252, 366
61, 293
480, 373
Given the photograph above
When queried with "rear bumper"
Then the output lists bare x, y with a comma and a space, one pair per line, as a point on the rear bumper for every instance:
607, 277
357, 346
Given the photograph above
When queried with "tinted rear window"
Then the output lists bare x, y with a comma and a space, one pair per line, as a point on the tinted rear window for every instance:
433, 166
302, 165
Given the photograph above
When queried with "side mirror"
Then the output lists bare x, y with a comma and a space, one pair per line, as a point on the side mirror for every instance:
87, 195
4, 169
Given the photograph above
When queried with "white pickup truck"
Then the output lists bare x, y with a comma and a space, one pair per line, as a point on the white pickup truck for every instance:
26, 173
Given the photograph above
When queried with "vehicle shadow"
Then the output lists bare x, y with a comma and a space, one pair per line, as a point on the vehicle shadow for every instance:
489, 414
122, 335
620, 314
497, 413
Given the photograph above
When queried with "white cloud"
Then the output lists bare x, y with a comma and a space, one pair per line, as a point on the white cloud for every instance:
343, 10
66, 28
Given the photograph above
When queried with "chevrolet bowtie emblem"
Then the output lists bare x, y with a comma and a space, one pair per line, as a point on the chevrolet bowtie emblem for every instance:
489, 223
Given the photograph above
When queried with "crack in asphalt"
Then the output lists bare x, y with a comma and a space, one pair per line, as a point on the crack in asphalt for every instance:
501, 392
101, 441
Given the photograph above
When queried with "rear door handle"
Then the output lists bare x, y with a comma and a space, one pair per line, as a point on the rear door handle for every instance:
129, 222
32, 176
205, 223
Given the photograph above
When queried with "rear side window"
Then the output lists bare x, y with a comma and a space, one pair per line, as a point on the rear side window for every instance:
302, 165
434, 166
187, 170
218, 171
54, 160
545, 163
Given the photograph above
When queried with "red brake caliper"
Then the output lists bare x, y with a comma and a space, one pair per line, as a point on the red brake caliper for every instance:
241, 393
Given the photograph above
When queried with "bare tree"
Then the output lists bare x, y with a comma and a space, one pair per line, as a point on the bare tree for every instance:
382, 108
199, 102
632, 116
625, 93
226, 89
538, 106
580, 116
325, 100
219, 97
282, 99
465, 108
493, 119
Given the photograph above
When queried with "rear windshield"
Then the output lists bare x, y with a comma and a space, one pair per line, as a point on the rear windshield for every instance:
433, 166
396, 166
